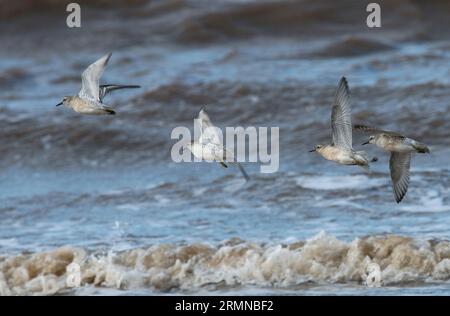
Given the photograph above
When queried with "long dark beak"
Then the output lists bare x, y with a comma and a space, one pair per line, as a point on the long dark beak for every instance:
60, 103
365, 143
311, 151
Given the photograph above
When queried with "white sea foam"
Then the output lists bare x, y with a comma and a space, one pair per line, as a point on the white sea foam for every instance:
429, 201
339, 182
321, 259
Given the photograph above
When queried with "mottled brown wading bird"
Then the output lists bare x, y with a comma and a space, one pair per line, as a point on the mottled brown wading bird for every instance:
401, 149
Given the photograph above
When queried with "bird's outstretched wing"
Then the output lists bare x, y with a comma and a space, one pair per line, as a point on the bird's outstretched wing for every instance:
399, 164
229, 157
341, 117
208, 132
242, 170
91, 77
107, 88
373, 130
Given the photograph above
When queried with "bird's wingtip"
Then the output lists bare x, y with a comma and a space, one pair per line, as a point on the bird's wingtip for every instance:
399, 198
343, 85
107, 57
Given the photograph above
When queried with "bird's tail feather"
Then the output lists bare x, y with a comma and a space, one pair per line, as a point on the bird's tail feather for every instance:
363, 160
365, 167
421, 148
106, 88
108, 110
366, 157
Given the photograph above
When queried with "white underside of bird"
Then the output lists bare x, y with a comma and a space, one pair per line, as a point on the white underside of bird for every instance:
209, 146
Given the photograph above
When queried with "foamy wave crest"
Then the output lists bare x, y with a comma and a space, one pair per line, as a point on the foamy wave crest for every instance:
235, 263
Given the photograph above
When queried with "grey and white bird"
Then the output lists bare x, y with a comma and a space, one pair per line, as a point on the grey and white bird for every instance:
401, 149
90, 98
209, 145
341, 149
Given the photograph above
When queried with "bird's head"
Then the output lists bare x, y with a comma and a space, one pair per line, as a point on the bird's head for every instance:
66, 101
317, 148
370, 141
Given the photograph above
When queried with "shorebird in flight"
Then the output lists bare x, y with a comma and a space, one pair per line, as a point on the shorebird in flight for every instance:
90, 98
401, 149
341, 149
209, 145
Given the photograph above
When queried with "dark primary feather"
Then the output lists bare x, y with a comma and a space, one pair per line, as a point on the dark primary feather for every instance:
107, 88
244, 173
421, 148
241, 169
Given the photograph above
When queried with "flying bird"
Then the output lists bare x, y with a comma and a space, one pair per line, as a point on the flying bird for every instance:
341, 149
209, 145
90, 98
401, 149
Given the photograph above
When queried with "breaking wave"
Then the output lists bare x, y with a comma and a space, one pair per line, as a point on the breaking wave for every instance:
235, 263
